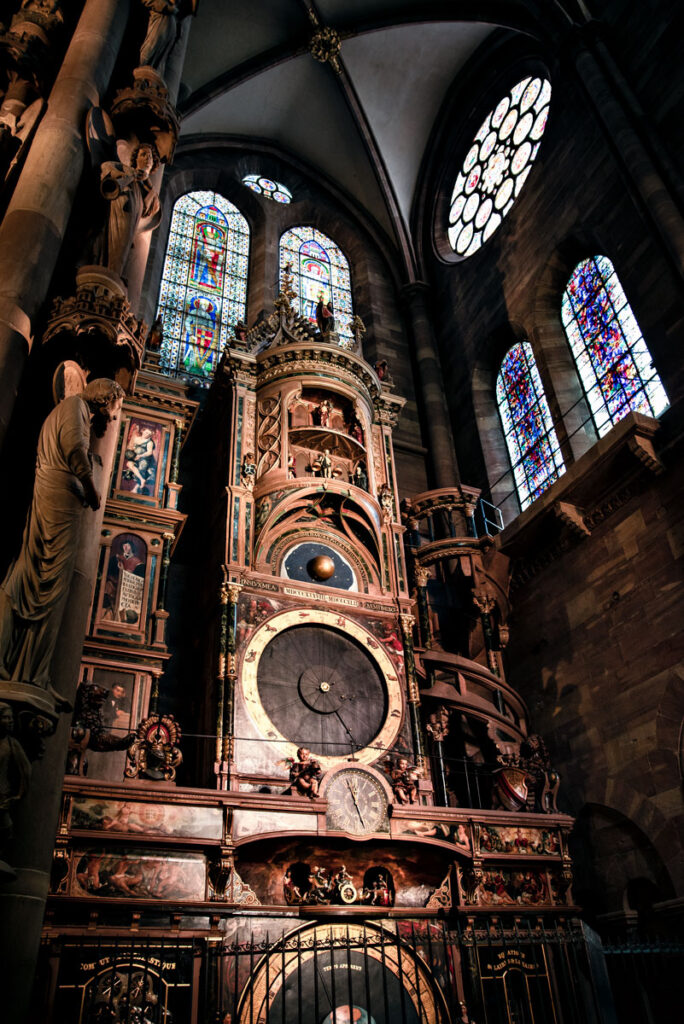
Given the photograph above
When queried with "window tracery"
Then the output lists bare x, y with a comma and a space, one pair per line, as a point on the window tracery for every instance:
318, 266
268, 188
203, 290
531, 439
610, 353
497, 165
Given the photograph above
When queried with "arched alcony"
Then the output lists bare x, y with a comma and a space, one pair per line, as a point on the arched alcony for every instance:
612, 358
318, 266
531, 440
203, 289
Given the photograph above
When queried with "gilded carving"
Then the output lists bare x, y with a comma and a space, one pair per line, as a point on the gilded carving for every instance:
268, 439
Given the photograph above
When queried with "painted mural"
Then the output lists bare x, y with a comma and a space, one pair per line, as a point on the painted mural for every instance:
124, 591
518, 840
138, 874
129, 817
141, 458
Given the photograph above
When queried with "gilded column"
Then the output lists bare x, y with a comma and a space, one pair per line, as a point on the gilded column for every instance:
407, 622
421, 577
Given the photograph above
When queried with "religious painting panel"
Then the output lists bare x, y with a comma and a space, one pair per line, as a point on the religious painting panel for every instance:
123, 981
138, 874
129, 817
141, 459
123, 597
496, 887
522, 842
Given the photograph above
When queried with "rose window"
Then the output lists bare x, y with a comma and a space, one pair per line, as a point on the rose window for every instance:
497, 164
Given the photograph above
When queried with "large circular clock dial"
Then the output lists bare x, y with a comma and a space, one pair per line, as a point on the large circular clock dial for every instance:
321, 690
356, 803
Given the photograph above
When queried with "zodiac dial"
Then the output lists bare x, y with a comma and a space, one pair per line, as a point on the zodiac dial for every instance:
356, 803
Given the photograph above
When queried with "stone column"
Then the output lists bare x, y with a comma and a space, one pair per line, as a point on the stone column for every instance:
605, 92
441, 443
421, 576
32, 231
22, 901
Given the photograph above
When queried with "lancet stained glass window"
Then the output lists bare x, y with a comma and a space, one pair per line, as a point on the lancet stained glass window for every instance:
497, 165
203, 290
612, 358
528, 428
317, 265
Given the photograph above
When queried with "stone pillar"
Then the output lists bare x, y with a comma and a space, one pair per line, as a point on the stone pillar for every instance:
441, 443
33, 228
603, 90
422, 576
22, 901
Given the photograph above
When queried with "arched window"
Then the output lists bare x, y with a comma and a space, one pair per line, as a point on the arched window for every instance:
203, 289
317, 265
612, 358
528, 428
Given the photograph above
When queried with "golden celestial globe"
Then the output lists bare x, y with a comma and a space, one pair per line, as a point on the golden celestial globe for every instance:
321, 567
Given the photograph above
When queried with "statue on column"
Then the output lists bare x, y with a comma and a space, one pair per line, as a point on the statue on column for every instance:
35, 590
133, 202
163, 29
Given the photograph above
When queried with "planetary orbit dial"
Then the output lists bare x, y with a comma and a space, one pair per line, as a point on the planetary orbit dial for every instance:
324, 683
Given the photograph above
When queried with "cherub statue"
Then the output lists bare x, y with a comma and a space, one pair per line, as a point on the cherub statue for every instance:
125, 184
248, 471
305, 774
404, 781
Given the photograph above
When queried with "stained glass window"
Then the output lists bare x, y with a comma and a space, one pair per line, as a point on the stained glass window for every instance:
203, 289
530, 436
318, 266
267, 188
497, 165
613, 360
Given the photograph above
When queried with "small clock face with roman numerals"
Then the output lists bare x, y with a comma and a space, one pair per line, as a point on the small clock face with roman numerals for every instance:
356, 803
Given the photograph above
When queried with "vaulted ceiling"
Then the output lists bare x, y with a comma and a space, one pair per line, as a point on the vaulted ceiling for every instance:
363, 121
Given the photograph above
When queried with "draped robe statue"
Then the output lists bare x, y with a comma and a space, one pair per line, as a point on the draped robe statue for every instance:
34, 592
133, 206
162, 32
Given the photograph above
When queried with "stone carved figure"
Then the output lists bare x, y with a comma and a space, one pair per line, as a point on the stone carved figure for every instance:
34, 592
91, 729
155, 337
163, 29
323, 464
15, 773
132, 200
325, 318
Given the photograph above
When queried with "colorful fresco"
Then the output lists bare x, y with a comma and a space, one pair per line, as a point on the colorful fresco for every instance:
131, 817
124, 589
138, 874
141, 456
520, 841
445, 832
496, 887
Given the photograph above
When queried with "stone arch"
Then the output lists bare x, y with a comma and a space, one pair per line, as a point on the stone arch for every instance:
617, 867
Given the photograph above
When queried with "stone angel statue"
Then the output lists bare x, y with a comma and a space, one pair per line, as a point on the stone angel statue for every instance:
133, 202
163, 28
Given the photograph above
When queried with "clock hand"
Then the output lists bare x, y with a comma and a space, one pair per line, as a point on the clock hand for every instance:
353, 796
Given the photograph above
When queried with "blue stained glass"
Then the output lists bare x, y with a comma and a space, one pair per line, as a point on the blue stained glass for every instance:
318, 265
528, 428
203, 290
612, 358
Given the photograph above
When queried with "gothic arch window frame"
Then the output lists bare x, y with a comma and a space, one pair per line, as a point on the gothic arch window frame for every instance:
453, 146
341, 293
217, 304
528, 429
612, 386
